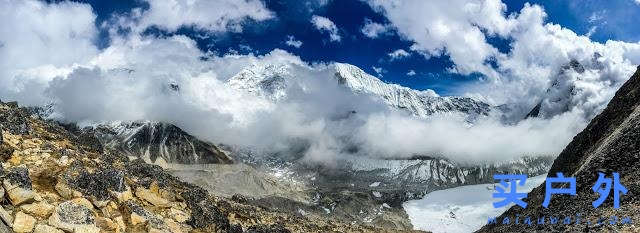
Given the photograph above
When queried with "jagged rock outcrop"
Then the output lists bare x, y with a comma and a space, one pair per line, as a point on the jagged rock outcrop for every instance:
65, 183
610, 143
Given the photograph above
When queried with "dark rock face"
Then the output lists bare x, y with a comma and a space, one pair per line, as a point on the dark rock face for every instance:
610, 143
204, 213
153, 140
14, 121
97, 184
20, 177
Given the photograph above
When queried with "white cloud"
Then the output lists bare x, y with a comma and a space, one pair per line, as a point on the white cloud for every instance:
394, 136
537, 53
597, 16
637, 2
39, 41
398, 54
373, 30
411, 73
452, 27
219, 15
291, 41
325, 24
591, 31
49, 56
379, 70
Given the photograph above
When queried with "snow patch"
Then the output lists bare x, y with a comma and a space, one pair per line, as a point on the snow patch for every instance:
461, 209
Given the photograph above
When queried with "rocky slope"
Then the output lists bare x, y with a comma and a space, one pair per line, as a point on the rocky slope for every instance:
56, 181
610, 143
158, 143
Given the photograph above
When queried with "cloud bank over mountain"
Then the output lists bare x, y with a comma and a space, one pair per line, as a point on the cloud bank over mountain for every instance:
536, 52
48, 55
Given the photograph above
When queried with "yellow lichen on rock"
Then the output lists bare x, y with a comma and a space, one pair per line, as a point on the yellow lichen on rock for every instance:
40, 209
42, 228
151, 197
23, 222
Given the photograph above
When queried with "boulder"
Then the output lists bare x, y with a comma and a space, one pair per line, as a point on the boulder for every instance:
151, 197
18, 186
65, 191
6, 217
106, 224
42, 228
141, 216
73, 217
23, 222
41, 209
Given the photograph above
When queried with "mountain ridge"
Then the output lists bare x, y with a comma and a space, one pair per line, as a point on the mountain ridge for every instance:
271, 81
608, 144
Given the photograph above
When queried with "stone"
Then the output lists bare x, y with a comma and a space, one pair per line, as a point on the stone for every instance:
151, 197
274, 228
106, 224
176, 227
86, 229
40, 209
151, 229
6, 217
137, 219
124, 195
110, 210
42, 228
17, 184
23, 222
179, 215
72, 217
83, 202
99, 203
4, 227
122, 227
65, 191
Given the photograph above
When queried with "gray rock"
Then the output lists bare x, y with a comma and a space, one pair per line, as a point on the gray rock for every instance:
71, 217
17, 184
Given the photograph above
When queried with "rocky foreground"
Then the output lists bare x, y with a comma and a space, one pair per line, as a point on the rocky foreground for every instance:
56, 181
610, 143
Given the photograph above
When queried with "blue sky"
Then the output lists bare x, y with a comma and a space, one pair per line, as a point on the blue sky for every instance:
609, 20
111, 61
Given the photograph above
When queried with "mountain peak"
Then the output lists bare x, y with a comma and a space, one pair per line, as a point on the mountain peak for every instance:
271, 81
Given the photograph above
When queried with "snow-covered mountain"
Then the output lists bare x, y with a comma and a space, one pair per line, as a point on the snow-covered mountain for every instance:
271, 81
157, 142
585, 84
